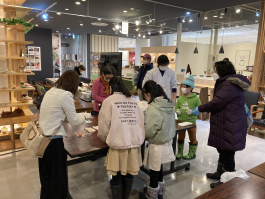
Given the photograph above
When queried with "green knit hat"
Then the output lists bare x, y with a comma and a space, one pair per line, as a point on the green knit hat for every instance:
189, 81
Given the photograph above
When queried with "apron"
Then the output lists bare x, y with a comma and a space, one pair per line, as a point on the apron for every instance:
155, 155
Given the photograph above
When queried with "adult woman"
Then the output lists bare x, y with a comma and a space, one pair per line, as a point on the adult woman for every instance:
100, 88
79, 71
228, 124
121, 126
57, 106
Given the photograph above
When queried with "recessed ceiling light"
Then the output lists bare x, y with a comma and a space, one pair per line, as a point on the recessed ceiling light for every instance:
81, 24
160, 31
57, 31
83, 0
99, 24
221, 17
66, 9
149, 33
188, 13
36, 25
245, 25
137, 23
99, 31
143, 36
132, 8
45, 20
68, 28
99, 19
124, 10
77, 3
117, 27
58, 13
233, 41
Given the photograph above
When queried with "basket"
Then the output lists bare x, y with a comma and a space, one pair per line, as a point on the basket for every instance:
24, 100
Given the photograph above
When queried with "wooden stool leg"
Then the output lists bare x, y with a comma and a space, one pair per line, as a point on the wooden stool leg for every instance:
12, 135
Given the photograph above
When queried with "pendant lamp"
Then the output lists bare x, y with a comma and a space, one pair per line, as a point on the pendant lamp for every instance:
196, 49
177, 51
221, 51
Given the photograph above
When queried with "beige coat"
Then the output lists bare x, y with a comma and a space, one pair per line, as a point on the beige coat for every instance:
121, 122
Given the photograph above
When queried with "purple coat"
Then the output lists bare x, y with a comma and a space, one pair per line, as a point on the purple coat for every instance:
228, 124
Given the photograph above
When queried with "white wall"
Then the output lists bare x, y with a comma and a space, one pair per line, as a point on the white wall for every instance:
139, 44
170, 40
125, 57
198, 62
230, 52
156, 40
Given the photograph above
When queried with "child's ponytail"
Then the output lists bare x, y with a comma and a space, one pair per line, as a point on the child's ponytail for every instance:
154, 89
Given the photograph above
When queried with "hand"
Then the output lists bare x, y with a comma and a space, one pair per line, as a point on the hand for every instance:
178, 112
86, 115
196, 111
189, 112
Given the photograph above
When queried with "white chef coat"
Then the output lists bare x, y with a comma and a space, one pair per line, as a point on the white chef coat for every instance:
165, 81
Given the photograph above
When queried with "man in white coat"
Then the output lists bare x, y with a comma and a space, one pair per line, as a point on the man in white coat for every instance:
164, 76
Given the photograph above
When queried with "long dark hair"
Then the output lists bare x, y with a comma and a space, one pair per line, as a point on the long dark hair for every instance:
154, 89
69, 81
224, 68
117, 85
82, 67
108, 70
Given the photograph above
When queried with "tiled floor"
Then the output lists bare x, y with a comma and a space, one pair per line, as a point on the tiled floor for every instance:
19, 177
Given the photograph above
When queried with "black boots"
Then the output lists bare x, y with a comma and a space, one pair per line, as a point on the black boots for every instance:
116, 191
123, 190
127, 187
217, 174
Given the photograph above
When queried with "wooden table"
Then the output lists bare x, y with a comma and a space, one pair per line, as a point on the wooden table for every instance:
174, 144
82, 106
259, 170
238, 188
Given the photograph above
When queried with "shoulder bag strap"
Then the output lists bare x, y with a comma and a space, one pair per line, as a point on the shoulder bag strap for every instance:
56, 131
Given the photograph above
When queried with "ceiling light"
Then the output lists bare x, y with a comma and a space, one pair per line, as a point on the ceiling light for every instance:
99, 19
68, 28
132, 9
187, 13
99, 31
57, 31
257, 14
120, 31
46, 20
139, 35
113, 29
223, 27
183, 20
221, 17
147, 22
45, 16
58, 13
83, 0
245, 25
190, 20
73, 36
222, 13
237, 25
161, 31
149, 33
117, 26
134, 36
215, 14
77, 3
137, 23
164, 24
36, 25
69, 34
66, 9
256, 21
143, 36
124, 10
81, 24
237, 9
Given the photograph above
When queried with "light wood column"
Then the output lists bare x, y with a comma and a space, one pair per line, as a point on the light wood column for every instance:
258, 69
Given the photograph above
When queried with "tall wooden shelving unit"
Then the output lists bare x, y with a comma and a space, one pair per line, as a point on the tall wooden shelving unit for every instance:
14, 41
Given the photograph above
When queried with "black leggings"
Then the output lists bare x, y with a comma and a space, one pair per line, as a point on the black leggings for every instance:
155, 177
116, 180
227, 158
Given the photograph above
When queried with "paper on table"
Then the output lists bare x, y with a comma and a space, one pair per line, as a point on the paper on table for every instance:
90, 130
185, 124
95, 127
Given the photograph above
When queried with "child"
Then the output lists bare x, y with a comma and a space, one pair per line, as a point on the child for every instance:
160, 129
185, 104
121, 126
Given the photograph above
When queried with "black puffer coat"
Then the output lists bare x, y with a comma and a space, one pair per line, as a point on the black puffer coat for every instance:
228, 124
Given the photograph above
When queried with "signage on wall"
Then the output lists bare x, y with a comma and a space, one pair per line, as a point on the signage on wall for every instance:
34, 52
125, 27
65, 45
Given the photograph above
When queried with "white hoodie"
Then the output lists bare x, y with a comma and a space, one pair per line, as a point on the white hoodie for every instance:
121, 122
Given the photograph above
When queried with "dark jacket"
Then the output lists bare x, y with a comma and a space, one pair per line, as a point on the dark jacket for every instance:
82, 79
228, 124
142, 72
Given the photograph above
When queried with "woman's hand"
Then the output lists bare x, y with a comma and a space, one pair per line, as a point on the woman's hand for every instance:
196, 111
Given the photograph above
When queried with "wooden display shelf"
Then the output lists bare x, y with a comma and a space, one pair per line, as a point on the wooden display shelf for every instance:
17, 89
23, 58
18, 27
17, 42
261, 86
15, 104
20, 11
17, 73
5, 121
245, 71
